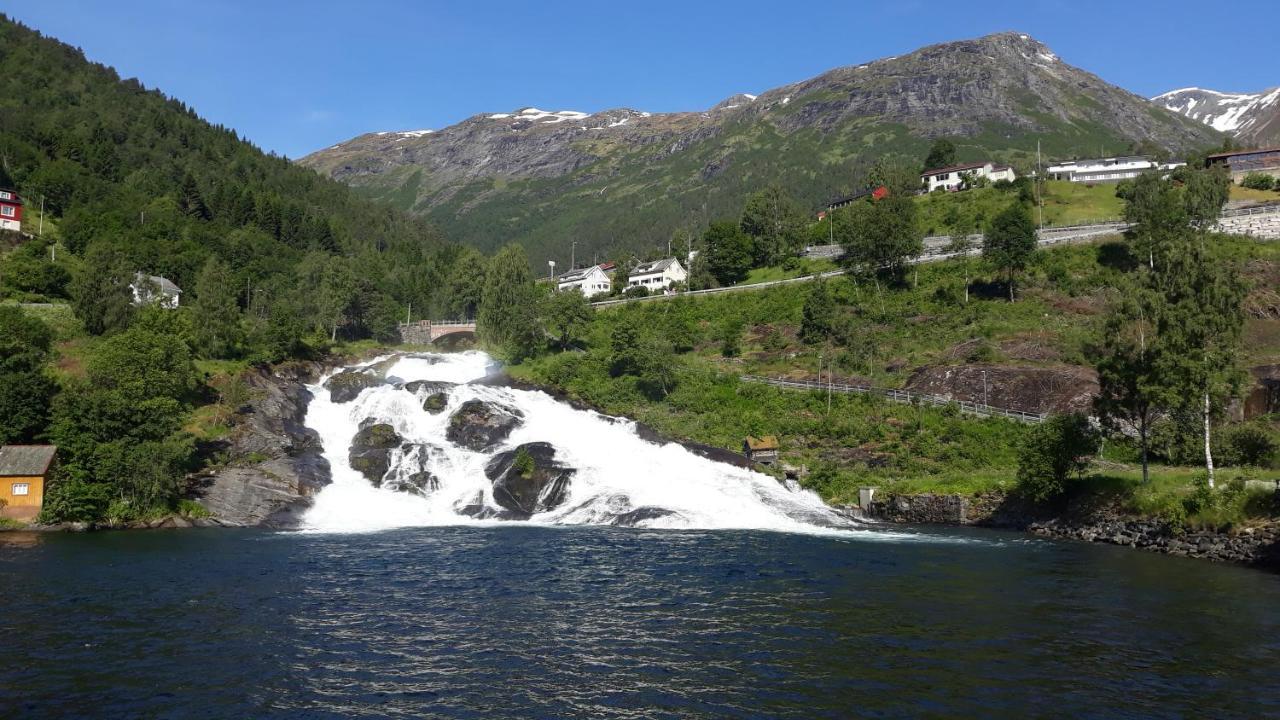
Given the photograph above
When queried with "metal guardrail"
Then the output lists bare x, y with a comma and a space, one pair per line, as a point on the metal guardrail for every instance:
1263, 209
902, 396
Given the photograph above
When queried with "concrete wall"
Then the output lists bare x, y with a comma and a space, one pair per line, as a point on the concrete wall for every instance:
418, 333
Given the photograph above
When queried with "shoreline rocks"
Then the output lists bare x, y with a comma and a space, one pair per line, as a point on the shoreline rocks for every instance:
1254, 546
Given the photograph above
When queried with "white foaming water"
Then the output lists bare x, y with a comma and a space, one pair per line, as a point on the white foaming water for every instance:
617, 472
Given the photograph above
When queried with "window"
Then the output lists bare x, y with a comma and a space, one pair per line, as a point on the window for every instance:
7, 210
21, 489
6, 195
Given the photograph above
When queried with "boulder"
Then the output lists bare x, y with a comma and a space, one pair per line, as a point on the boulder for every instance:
480, 425
347, 386
370, 453
275, 464
528, 480
434, 394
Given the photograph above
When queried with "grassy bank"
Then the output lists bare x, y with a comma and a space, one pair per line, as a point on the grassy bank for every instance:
885, 334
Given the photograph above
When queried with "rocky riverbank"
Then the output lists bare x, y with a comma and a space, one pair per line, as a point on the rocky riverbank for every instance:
1257, 546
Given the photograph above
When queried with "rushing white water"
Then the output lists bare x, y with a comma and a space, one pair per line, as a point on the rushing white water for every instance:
617, 471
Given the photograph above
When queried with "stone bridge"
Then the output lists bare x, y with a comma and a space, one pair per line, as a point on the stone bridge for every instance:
425, 332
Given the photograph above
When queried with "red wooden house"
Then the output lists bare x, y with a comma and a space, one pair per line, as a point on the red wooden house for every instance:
10, 211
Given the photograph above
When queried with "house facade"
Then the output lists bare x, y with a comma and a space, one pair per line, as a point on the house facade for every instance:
155, 290
657, 275
591, 281
10, 211
1243, 162
24, 470
954, 177
1103, 170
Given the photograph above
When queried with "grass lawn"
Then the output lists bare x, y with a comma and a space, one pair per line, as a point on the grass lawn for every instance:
805, 267
1065, 203
1239, 193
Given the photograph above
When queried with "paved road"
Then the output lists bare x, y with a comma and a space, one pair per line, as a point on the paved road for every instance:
935, 250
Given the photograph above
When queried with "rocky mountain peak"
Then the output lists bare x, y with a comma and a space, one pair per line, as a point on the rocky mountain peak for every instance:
1251, 117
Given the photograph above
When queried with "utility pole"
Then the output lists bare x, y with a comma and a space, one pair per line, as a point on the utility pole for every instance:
409, 317
985, 399
1039, 184
573, 255
40, 232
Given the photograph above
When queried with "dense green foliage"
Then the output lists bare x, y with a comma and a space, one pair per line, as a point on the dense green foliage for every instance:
1052, 454
119, 430
25, 390
1010, 241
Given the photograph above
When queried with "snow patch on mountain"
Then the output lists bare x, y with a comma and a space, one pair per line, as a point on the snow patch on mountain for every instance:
1225, 112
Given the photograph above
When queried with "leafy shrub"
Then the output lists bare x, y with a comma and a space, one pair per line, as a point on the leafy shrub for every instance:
1052, 452
523, 463
1258, 181
636, 291
1249, 444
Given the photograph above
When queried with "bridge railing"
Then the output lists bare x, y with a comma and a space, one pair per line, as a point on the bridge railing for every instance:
902, 396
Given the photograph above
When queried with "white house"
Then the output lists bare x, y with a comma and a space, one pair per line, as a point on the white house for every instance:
1112, 169
659, 274
591, 281
153, 289
951, 178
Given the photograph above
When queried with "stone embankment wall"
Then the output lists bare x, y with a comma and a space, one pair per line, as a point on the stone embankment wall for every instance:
1259, 226
418, 333
1259, 546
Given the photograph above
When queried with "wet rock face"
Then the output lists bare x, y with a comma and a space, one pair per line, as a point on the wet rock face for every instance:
275, 463
411, 475
480, 425
347, 386
370, 453
528, 480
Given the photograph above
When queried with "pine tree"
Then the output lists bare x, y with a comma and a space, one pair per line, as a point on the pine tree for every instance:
216, 314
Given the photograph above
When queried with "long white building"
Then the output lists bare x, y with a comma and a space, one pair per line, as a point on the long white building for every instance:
1112, 169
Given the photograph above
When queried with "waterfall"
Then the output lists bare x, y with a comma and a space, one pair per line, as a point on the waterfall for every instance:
617, 478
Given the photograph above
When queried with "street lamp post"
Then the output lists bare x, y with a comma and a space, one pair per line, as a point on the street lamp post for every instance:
552, 264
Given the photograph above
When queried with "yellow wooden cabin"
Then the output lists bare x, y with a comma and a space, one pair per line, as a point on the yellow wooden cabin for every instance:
23, 472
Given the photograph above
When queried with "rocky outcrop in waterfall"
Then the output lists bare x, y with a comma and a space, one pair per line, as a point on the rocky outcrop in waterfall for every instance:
480, 425
434, 394
370, 453
528, 480
347, 386
274, 463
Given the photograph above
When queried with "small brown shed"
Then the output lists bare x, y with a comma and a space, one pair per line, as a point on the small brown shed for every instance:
763, 449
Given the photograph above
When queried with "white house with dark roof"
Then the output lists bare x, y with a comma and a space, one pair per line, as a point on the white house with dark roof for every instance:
657, 275
155, 290
952, 178
591, 281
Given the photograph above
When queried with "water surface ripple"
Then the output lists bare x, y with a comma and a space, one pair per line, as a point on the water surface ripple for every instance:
521, 621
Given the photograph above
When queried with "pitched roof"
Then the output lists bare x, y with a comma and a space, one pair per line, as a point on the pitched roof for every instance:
32, 460
765, 442
953, 168
656, 266
165, 285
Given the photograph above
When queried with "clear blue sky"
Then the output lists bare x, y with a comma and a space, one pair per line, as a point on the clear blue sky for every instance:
297, 76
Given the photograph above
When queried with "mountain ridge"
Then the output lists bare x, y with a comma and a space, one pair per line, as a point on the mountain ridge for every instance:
622, 179
1252, 118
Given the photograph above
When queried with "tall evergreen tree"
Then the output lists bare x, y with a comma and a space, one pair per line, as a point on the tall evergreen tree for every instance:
216, 314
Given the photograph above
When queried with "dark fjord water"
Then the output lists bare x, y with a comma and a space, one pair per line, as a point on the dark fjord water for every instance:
508, 622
